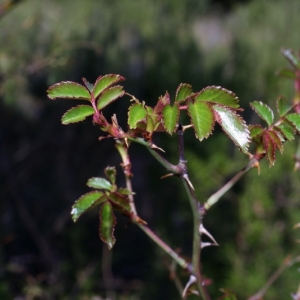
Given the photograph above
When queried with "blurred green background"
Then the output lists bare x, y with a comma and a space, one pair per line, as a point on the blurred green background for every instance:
44, 165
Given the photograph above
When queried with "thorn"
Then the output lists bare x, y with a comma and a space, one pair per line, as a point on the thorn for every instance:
190, 282
167, 175
257, 165
202, 230
126, 141
185, 176
204, 244
152, 146
186, 127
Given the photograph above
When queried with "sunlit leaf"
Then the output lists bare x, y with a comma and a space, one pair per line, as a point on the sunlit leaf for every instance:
233, 125
264, 111
110, 95
270, 148
69, 90
99, 183
287, 73
287, 131
202, 118
77, 114
219, 95
111, 173
294, 119
136, 113
170, 117
104, 82
86, 202
283, 106
183, 91
107, 224
121, 201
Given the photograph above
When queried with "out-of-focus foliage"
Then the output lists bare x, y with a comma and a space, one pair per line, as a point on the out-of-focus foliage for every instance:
155, 45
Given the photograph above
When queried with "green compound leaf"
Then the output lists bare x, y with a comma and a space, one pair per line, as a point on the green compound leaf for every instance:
202, 118
233, 125
287, 73
255, 130
69, 90
286, 130
264, 111
219, 95
170, 117
136, 113
77, 114
86, 202
270, 148
99, 183
104, 82
121, 201
110, 173
283, 106
183, 91
294, 119
109, 96
107, 224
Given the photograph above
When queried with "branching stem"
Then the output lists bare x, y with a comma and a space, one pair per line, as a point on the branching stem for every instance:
213, 199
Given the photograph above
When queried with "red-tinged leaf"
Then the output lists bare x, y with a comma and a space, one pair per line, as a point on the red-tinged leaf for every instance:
294, 119
255, 130
264, 111
233, 125
162, 102
287, 131
136, 113
183, 92
170, 117
270, 148
77, 114
89, 86
287, 73
202, 118
86, 202
111, 173
283, 106
107, 224
99, 183
110, 95
219, 95
104, 82
120, 201
68, 90
293, 60
276, 139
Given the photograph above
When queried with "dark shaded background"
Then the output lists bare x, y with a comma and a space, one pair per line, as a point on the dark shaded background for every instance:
44, 165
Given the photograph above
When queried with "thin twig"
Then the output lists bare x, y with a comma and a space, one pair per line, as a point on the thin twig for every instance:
213, 199
286, 264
